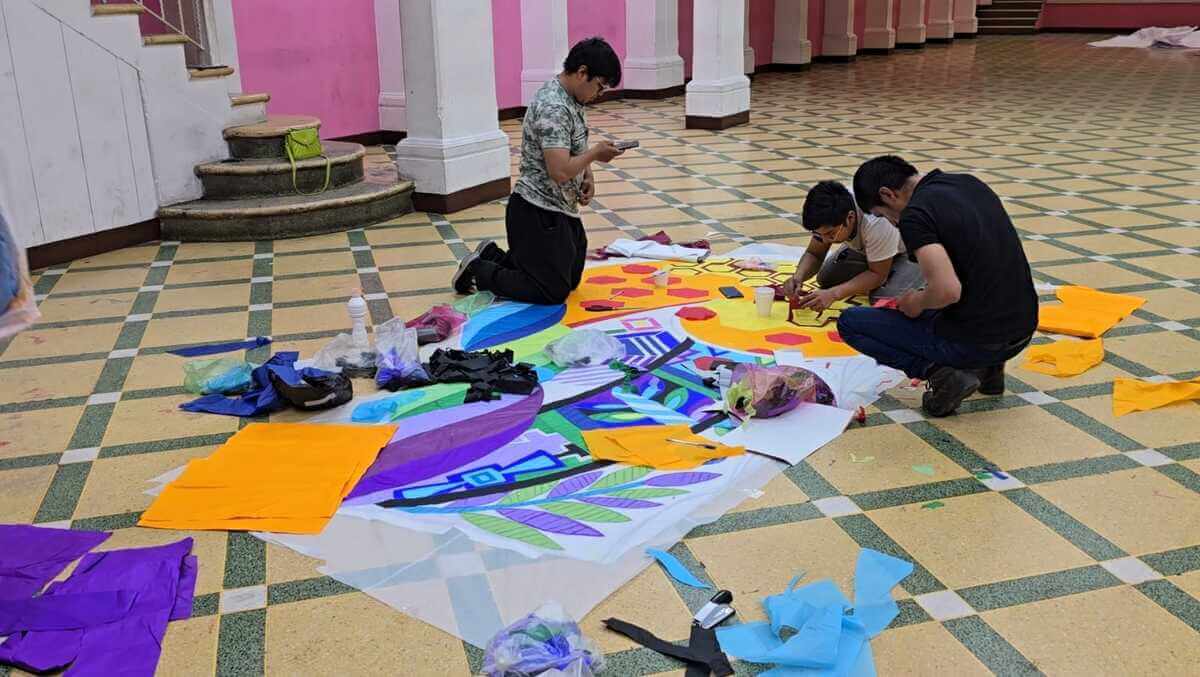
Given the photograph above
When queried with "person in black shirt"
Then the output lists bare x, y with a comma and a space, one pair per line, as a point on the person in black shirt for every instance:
979, 307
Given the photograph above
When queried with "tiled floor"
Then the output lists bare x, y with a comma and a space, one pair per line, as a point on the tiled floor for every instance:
1084, 559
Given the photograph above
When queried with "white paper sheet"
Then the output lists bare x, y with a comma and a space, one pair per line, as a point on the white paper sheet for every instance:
793, 436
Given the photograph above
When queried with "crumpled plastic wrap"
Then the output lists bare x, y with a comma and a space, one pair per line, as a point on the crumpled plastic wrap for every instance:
436, 324
341, 354
584, 347
547, 641
758, 391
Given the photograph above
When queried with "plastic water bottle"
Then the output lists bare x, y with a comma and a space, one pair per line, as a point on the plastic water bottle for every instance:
357, 308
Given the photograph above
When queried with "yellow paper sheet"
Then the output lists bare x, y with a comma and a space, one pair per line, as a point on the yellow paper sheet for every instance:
1086, 312
284, 477
653, 446
1064, 358
1130, 395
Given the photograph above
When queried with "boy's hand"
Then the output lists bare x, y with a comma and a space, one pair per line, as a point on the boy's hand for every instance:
587, 189
792, 288
819, 300
605, 151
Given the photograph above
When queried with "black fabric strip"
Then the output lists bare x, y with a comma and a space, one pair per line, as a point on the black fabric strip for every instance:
499, 488
705, 655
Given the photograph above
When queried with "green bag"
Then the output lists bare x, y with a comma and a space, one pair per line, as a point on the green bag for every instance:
304, 144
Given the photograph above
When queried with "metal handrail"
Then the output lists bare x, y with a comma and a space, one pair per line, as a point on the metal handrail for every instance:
198, 38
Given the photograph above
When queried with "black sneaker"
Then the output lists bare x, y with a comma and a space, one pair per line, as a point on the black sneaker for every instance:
948, 387
464, 278
991, 380
490, 251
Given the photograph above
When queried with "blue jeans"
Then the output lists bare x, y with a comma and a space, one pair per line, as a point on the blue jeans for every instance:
910, 345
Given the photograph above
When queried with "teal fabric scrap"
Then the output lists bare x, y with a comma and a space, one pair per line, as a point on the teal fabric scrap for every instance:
874, 577
828, 637
676, 568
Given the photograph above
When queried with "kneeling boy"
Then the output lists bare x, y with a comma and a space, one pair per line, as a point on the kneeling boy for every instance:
546, 240
872, 258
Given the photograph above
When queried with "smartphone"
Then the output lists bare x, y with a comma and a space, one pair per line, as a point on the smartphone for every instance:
626, 145
731, 292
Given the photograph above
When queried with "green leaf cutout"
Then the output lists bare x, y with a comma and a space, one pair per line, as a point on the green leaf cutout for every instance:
527, 493
676, 399
647, 493
623, 476
510, 529
583, 512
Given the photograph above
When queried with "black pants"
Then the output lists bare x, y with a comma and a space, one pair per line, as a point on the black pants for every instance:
545, 259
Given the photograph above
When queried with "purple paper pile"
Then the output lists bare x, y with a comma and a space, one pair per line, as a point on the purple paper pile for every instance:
108, 617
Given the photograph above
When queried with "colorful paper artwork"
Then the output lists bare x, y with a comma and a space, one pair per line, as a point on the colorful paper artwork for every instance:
615, 291
504, 322
737, 326
724, 266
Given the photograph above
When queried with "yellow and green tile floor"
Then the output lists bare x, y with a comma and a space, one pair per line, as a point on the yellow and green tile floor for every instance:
1084, 560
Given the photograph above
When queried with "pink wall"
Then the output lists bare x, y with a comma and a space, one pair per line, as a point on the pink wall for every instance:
896, 14
314, 57
1128, 15
685, 35
816, 25
506, 40
860, 20
762, 30
598, 18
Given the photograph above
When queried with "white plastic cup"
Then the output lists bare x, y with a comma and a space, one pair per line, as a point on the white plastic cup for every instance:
763, 298
660, 278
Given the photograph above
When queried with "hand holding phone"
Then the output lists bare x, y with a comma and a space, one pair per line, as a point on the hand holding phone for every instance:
626, 145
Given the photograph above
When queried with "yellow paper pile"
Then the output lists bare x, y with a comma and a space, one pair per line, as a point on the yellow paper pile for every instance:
284, 477
1064, 358
667, 447
1086, 312
1130, 395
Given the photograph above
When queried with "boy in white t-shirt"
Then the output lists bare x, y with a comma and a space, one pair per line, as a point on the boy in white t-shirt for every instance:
871, 261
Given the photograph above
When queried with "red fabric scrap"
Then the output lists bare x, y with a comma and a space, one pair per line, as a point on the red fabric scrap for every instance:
888, 302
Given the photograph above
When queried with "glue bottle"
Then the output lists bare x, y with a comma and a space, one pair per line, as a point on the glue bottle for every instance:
357, 308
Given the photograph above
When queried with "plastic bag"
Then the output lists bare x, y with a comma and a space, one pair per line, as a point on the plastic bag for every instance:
765, 392
224, 375
313, 389
18, 310
584, 347
342, 354
436, 324
474, 303
397, 359
546, 639
384, 409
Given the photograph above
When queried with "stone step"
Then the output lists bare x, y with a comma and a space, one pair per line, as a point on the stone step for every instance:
236, 178
265, 139
357, 204
1009, 4
1007, 30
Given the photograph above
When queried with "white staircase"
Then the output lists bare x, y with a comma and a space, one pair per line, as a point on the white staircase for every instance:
103, 126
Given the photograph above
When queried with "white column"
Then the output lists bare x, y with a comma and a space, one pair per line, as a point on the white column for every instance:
964, 17
652, 61
791, 45
838, 38
912, 23
454, 140
719, 94
222, 41
941, 20
747, 50
543, 43
878, 33
389, 40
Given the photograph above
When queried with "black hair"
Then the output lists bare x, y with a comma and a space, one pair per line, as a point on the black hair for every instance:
885, 171
826, 204
600, 59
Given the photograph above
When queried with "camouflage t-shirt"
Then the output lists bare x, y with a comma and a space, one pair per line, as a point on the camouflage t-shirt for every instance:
554, 119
